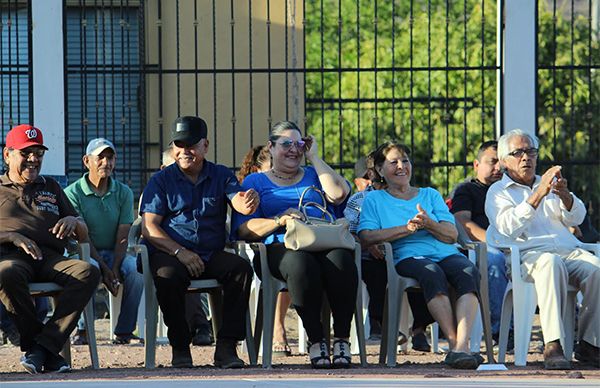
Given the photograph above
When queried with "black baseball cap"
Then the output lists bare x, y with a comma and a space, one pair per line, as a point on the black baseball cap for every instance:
188, 130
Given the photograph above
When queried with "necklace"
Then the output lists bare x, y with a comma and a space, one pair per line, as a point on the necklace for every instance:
284, 178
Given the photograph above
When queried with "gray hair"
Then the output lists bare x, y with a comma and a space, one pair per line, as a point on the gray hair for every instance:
503, 149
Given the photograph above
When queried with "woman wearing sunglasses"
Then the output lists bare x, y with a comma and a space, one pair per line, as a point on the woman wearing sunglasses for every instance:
307, 274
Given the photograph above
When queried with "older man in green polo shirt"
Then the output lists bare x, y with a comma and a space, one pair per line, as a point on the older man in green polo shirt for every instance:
107, 208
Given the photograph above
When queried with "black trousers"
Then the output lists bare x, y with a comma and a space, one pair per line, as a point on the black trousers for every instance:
308, 275
172, 279
374, 274
78, 278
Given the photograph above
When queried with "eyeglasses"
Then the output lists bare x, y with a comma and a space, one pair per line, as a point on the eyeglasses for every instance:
287, 144
39, 152
519, 152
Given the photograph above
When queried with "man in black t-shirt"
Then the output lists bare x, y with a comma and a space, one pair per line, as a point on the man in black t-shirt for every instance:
467, 205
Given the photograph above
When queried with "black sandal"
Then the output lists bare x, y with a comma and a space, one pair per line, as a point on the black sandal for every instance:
319, 355
342, 358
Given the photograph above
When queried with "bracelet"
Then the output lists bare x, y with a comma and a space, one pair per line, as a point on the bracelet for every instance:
178, 250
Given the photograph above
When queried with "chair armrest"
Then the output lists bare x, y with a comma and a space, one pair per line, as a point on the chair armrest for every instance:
134, 234
389, 260
84, 251
591, 247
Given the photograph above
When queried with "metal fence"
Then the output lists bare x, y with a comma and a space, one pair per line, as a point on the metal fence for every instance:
352, 73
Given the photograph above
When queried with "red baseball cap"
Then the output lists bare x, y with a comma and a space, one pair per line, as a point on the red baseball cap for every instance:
23, 136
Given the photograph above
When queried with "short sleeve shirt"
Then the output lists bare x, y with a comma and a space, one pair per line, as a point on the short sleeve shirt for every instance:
102, 214
380, 210
33, 209
471, 196
275, 199
194, 214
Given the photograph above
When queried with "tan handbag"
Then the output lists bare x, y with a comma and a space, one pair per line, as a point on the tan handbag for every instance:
317, 234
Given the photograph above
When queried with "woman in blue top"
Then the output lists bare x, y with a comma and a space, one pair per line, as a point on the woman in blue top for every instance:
307, 274
421, 230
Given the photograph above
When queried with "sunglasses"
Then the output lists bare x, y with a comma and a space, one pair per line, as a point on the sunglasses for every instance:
287, 144
39, 152
519, 152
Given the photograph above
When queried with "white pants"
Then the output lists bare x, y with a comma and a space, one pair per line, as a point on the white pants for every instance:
551, 274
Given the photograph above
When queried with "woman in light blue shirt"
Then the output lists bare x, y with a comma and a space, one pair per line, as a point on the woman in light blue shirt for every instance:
418, 224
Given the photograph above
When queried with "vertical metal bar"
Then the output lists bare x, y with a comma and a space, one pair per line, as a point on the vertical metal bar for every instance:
322, 83
18, 61
196, 87
65, 86
3, 122
84, 75
446, 102
125, 131
499, 122
554, 55
411, 21
141, 90
96, 64
588, 109
233, 118
572, 97
465, 89
29, 61
113, 63
178, 58
101, 129
215, 123
394, 65
304, 73
10, 67
287, 93
270, 117
161, 119
429, 99
340, 117
358, 105
251, 80
482, 64
375, 117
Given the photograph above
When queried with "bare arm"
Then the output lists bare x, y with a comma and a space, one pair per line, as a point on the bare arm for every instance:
475, 232
246, 202
120, 248
154, 233
444, 231
377, 236
257, 228
333, 184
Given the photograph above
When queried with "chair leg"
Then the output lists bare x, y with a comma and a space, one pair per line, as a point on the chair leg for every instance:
114, 303
523, 317
392, 327
360, 331
88, 316
383, 350
269, 299
507, 307
150, 327
252, 355
435, 337
569, 324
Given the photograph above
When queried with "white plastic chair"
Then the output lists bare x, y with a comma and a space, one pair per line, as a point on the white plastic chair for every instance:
265, 315
211, 286
53, 290
520, 299
396, 305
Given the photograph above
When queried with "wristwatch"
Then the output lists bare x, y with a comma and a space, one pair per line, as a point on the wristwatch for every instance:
178, 250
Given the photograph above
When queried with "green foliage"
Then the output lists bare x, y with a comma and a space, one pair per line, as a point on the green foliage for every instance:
424, 72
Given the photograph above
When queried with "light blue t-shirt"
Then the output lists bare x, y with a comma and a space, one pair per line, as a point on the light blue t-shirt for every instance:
380, 210
275, 199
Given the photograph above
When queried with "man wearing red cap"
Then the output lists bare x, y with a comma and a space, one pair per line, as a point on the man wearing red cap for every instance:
36, 219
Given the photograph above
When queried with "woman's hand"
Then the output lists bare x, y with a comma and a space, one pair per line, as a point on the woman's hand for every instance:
290, 214
420, 221
310, 147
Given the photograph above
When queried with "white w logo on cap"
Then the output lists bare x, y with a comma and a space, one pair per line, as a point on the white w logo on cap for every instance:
31, 133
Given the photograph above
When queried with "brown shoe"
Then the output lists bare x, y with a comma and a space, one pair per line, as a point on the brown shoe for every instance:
554, 357
587, 354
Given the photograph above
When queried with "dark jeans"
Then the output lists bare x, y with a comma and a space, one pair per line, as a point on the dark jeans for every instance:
374, 274
172, 279
78, 278
307, 275
434, 277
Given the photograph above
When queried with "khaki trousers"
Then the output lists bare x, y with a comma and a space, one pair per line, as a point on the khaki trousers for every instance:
551, 274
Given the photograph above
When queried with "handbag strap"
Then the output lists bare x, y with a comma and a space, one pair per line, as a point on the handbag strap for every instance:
311, 188
318, 206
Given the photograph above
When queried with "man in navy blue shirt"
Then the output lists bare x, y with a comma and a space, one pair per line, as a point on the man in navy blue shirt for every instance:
184, 209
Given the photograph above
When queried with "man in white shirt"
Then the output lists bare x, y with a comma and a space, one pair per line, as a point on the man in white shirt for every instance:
534, 212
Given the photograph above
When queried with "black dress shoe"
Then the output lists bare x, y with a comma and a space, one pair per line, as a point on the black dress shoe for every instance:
419, 343
587, 354
202, 336
182, 358
33, 360
226, 354
56, 363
